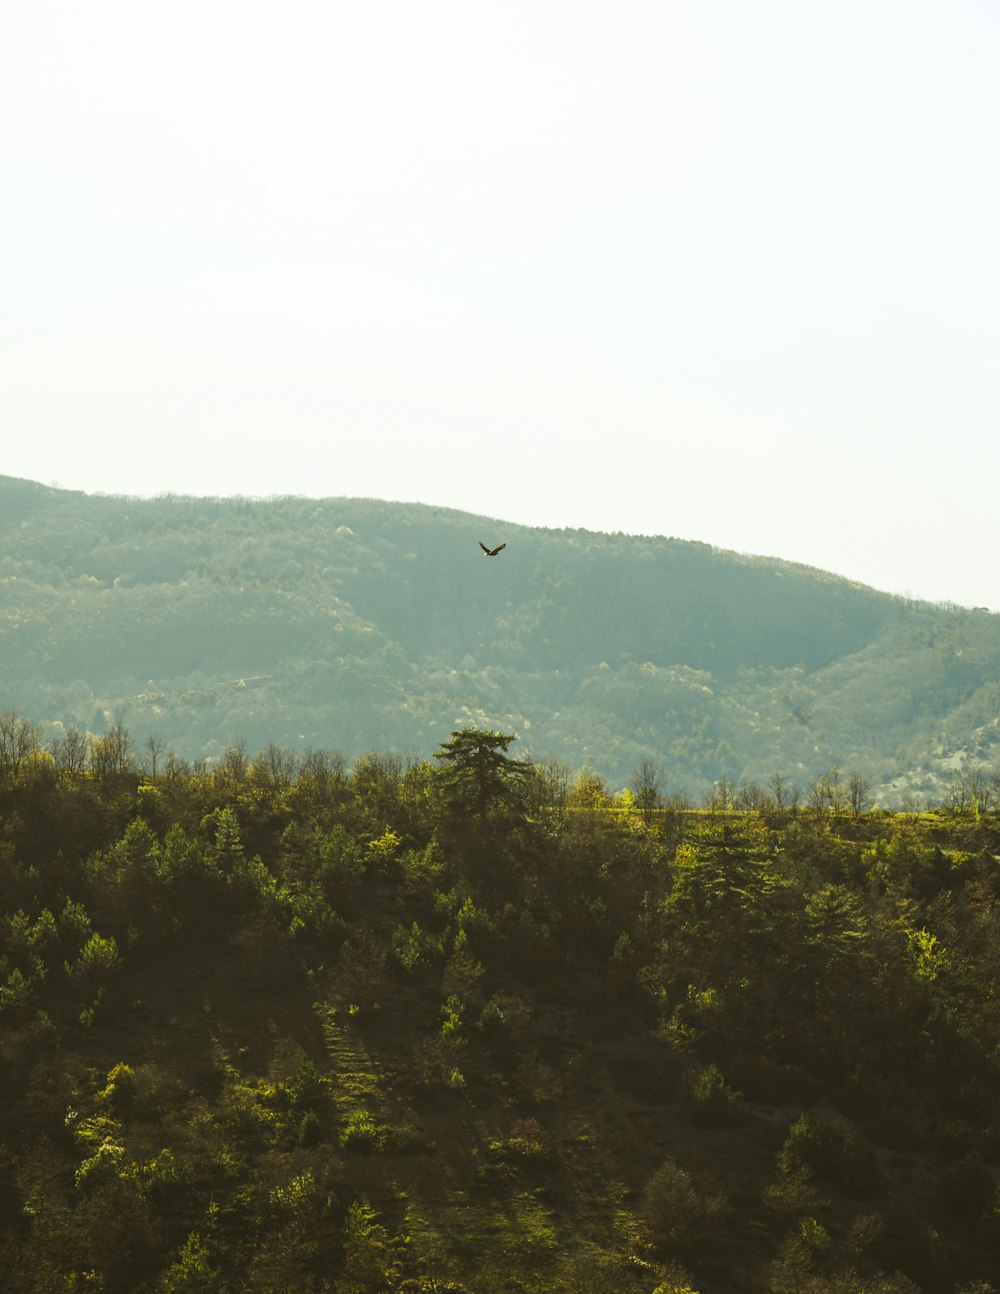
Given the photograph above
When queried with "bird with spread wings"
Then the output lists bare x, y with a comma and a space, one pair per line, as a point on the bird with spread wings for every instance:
491, 552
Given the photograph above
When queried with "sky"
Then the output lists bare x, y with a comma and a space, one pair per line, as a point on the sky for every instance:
702, 268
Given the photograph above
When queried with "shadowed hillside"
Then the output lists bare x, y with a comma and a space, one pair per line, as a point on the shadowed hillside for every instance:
447, 1030
356, 623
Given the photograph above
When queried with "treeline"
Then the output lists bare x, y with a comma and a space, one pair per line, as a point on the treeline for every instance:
974, 789
475, 1024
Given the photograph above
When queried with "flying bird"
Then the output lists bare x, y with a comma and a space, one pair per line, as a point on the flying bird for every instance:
491, 552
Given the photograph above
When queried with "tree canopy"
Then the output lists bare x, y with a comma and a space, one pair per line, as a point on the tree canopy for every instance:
335, 1027
477, 774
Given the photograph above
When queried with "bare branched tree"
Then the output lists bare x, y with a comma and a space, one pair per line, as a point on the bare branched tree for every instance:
646, 784
972, 790
231, 770
112, 754
783, 793
827, 791
72, 751
858, 793
721, 795
275, 767
155, 746
19, 738
751, 797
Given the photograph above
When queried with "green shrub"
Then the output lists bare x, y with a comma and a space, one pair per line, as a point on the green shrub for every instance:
97, 960
815, 1235
306, 1087
675, 1211
310, 1131
121, 1088
715, 1102
191, 1272
360, 1132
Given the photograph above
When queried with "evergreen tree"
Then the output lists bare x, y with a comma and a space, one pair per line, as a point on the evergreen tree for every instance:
478, 776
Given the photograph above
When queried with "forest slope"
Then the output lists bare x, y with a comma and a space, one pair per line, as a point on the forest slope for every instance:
362, 624
334, 1033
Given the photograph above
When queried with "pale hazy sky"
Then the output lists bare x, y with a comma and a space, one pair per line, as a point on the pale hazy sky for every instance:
708, 268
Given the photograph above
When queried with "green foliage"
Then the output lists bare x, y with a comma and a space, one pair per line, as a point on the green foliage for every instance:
360, 1132
306, 1088
813, 1148
525, 1234
715, 1102
74, 927
372, 1256
452, 1024
268, 1033
191, 1273
675, 1287
98, 960
478, 777
383, 850
17, 997
792, 1266
676, 1212
526, 1144
310, 1130
815, 1235
412, 947
769, 665
121, 1088
929, 958
341, 867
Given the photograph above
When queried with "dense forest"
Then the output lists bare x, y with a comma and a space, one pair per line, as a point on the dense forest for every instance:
472, 1023
365, 624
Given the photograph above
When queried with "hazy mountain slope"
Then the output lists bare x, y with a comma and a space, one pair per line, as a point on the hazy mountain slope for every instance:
358, 623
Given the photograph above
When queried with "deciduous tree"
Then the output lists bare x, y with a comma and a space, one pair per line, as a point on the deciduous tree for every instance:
646, 784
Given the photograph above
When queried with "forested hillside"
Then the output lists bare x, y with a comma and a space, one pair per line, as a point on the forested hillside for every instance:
457, 1027
358, 624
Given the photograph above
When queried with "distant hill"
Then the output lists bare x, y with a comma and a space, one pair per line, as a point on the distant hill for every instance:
358, 624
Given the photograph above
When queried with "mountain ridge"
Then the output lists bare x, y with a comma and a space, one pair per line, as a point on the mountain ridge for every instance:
359, 623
